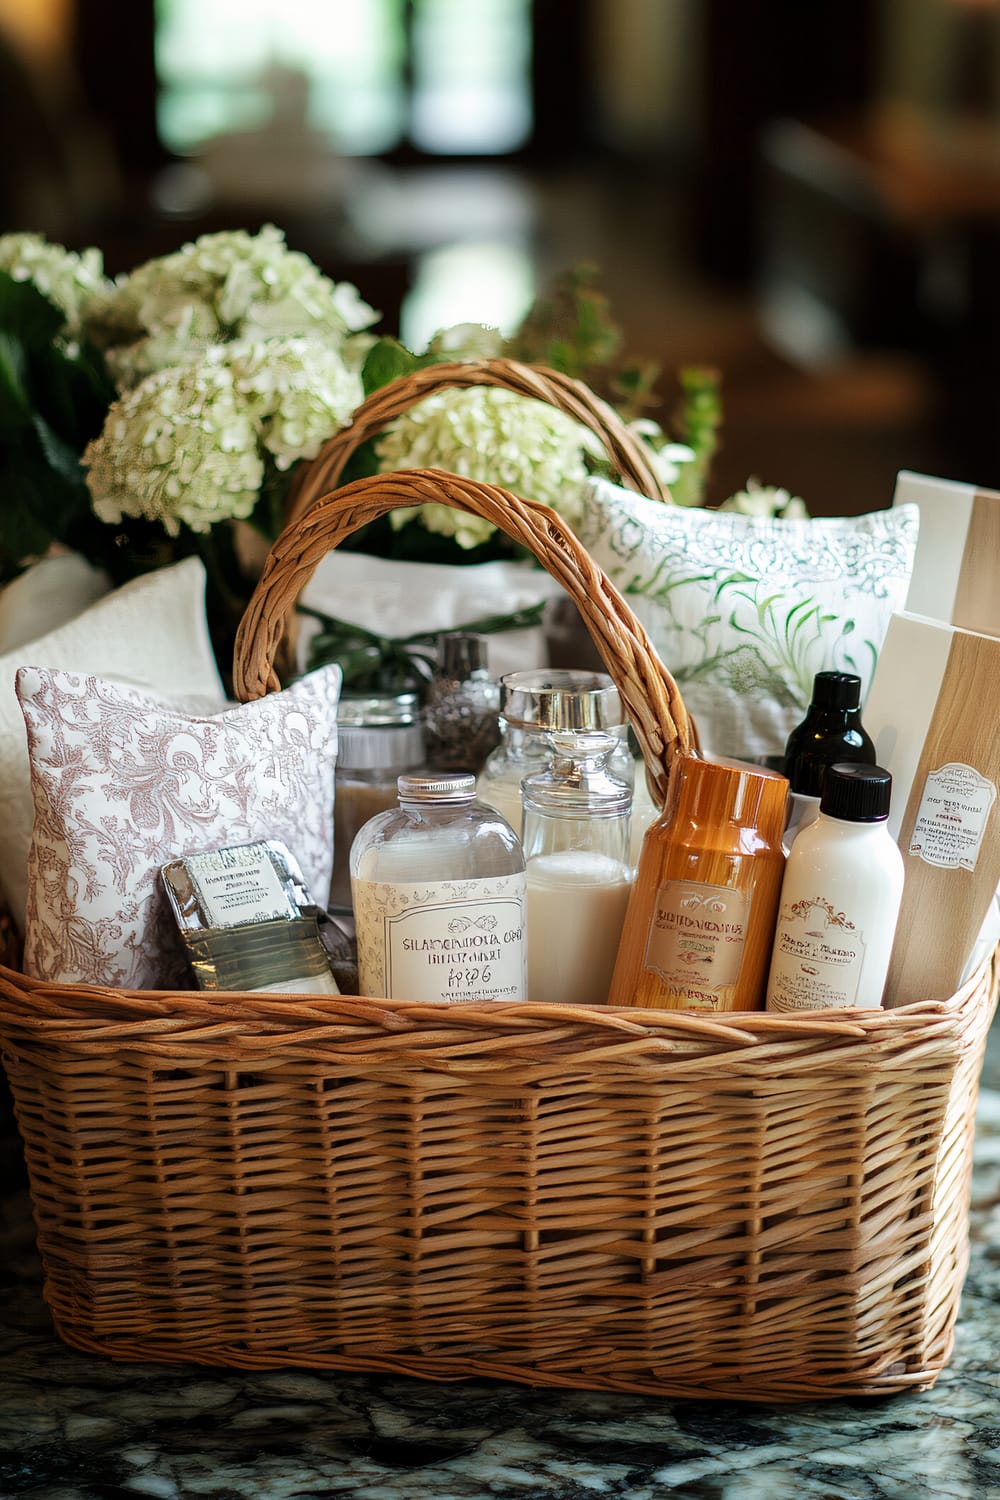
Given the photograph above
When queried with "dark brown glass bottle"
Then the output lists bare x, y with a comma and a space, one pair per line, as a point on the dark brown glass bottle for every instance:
831, 732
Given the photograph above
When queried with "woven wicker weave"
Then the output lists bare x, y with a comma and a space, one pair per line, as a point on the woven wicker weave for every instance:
754, 1206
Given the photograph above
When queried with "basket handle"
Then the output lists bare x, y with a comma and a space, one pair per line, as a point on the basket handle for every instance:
649, 694
630, 456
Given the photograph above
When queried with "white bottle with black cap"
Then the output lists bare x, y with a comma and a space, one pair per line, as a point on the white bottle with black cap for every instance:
840, 899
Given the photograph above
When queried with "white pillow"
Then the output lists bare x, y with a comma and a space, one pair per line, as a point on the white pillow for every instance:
122, 783
151, 632
745, 610
50, 593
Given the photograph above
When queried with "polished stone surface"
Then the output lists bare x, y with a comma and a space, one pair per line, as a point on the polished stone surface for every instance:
80, 1428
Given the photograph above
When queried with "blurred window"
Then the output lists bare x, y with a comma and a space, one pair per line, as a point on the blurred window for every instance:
447, 77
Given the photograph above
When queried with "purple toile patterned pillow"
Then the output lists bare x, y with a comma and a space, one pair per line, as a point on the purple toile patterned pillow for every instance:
122, 783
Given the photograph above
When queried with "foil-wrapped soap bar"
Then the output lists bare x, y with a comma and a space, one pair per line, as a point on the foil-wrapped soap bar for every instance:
247, 921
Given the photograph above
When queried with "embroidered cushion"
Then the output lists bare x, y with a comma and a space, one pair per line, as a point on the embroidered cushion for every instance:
152, 633
122, 783
745, 610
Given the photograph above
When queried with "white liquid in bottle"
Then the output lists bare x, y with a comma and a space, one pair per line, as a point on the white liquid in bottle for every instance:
576, 844
576, 908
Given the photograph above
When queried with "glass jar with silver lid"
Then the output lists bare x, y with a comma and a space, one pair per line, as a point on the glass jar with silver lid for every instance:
537, 703
379, 737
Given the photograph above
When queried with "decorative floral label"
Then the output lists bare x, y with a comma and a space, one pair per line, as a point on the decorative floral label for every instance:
951, 820
696, 939
442, 941
817, 960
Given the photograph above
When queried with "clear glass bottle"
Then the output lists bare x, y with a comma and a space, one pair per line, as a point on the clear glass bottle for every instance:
579, 872
379, 737
831, 732
535, 703
462, 705
439, 897
701, 915
840, 899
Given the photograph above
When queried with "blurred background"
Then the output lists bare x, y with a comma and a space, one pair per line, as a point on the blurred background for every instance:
806, 196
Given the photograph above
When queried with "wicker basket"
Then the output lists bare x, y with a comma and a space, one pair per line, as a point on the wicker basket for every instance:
754, 1206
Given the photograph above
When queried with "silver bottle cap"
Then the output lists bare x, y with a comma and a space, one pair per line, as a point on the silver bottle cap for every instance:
560, 699
461, 787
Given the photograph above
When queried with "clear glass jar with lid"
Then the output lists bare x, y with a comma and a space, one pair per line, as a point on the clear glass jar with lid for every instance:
534, 704
379, 737
439, 897
579, 872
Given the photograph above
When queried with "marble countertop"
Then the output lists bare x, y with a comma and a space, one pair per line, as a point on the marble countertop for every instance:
79, 1428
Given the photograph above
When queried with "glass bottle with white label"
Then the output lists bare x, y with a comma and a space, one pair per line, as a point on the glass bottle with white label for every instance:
840, 899
576, 845
438, 888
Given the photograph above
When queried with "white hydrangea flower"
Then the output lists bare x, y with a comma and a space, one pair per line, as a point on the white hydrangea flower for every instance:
74, 282
467, 341
227, 286
181, 448
490, 435
766, 500
301, 393
666, 458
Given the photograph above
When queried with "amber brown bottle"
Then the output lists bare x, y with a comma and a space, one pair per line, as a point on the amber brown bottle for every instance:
700, 920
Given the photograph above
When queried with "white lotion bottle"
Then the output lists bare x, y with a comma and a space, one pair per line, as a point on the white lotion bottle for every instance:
840, 899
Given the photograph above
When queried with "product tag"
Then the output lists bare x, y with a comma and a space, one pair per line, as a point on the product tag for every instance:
696, 939
951, 820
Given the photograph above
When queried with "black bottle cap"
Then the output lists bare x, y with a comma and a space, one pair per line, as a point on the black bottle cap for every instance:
856, 793
836, 690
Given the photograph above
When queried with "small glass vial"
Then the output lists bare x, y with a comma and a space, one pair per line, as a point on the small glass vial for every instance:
379, 737
535, 703
439, 897
831, 732
840, 899
701, 916
461, 709
576, 847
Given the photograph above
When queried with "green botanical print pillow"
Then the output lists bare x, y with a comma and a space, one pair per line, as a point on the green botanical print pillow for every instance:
745, 610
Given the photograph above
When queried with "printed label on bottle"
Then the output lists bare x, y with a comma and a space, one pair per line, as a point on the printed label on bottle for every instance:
696, 939
817, 959
951, 820
444, 941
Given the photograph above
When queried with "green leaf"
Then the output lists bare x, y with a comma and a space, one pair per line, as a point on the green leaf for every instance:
15, 404
39, 507
387, 360
765, 604
62, 457
27, 314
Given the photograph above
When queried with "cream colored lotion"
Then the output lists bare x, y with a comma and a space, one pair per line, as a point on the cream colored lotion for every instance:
576, 908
